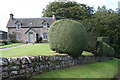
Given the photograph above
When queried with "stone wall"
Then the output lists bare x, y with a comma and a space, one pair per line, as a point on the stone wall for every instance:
25, 67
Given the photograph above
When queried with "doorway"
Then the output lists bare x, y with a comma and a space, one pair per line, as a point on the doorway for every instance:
30, 37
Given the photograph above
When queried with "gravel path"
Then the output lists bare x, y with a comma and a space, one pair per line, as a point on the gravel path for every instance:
14, 47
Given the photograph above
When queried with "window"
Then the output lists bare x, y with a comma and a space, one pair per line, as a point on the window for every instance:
45, 36
45, 25
18, 26
17, 36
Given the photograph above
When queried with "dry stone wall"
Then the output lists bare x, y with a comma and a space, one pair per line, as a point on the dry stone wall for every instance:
27, 66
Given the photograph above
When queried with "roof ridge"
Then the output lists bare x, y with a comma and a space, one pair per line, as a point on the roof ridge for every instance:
35, 18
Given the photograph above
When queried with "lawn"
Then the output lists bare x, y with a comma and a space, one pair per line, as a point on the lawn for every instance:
31, 50
106, 69
10, 45
28, 50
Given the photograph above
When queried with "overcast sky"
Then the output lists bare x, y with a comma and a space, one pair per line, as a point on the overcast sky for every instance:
33, 8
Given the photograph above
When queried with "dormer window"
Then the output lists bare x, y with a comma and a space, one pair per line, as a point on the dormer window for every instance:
18, 26
45, 25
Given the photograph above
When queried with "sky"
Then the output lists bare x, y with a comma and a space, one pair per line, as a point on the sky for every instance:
33, 8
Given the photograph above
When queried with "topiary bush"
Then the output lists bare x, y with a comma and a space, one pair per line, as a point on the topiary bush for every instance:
104, 49
68, 36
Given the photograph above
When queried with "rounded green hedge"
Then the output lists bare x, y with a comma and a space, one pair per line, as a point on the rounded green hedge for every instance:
104, 49
68, 36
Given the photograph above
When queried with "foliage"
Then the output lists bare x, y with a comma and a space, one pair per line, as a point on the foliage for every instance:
108, 25
12, 37
40, 39
68, 36
2, 44
104, 39
104, 49
92, 38
103, 23
71, 10
5, 42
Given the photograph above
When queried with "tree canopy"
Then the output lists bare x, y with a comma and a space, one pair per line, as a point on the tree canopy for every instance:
104, 22
71, 10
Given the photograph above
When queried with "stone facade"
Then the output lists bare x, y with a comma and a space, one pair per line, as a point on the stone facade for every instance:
25, 67
24, 37
29, 29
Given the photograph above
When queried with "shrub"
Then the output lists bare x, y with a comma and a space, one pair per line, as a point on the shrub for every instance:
68, 36
2, 44
92, 37
12, 38
104, 49
104, 39
5, 42
40, 39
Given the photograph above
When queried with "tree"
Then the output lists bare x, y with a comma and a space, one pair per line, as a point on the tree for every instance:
71, 10
104, 23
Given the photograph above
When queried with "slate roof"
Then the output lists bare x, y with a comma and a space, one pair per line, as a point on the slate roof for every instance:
3, 31
29, 22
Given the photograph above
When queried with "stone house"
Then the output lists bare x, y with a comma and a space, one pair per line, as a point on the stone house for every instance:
29, 29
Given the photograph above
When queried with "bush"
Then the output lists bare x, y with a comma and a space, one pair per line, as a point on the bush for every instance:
104, 39
68, 36
91, 32
40, 39
5, 42
12, 38
117, 50
2, 44
104, 49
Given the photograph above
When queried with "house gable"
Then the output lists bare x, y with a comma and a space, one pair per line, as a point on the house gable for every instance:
30, 29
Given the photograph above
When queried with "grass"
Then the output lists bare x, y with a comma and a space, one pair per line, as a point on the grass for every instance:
10, 45
85, 53
106, 69
28, 50
31, 50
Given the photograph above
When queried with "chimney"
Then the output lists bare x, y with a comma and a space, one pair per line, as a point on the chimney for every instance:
11, 16
53, 18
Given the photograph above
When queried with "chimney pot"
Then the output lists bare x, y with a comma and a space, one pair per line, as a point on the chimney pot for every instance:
53, 17
11, 16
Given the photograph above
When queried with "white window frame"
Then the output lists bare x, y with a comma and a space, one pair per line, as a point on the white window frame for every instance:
45, 25
18, 26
